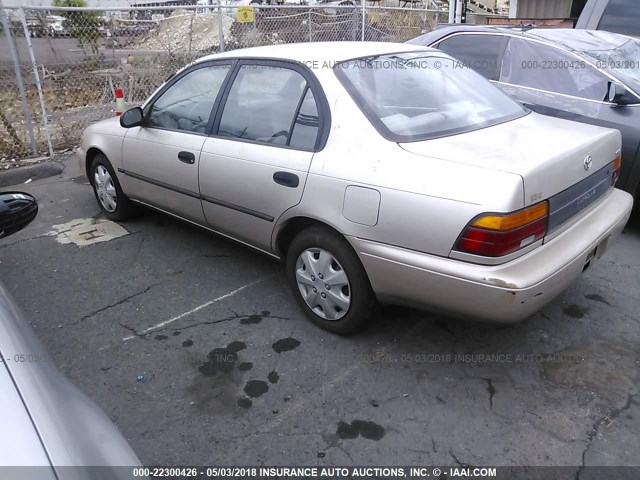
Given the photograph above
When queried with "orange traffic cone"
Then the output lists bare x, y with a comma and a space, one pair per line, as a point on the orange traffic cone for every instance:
119, 101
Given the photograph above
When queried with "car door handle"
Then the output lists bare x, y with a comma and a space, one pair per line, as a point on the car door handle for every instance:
187, 157
287, 179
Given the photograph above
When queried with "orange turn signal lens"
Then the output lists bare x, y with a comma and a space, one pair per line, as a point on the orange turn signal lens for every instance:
513, 220
617, 163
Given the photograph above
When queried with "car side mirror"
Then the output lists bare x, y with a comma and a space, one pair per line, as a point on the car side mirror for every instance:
17, 210
615, 93
132, 118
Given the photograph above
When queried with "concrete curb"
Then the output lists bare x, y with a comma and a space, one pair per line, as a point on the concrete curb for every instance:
17, 176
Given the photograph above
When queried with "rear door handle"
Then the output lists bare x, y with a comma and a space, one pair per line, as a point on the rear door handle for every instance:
287, 179
187, 157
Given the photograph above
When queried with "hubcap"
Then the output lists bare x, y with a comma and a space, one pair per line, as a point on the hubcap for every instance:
105, 189
323, 284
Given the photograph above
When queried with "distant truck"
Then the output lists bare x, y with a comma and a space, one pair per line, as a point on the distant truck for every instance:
618, 16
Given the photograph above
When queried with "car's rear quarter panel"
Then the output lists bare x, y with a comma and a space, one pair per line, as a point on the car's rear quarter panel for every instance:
424, 203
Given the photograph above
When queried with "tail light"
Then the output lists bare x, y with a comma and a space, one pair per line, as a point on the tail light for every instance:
495, 235
617, 163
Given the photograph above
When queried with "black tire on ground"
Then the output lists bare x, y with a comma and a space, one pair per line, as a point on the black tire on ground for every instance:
125, 208
362, 298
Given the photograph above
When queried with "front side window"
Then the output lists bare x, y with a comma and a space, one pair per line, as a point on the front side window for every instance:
186, 105
264, 105
534, 65
483, 53
621, 16
416, 96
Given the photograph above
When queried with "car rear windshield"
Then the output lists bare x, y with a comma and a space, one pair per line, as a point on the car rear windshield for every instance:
416, 96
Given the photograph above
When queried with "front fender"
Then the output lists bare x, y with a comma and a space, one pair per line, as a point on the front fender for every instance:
105, 136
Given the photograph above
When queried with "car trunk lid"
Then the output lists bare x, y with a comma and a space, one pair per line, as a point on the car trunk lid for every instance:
549, 154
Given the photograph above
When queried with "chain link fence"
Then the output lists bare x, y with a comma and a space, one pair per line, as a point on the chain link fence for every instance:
59, 67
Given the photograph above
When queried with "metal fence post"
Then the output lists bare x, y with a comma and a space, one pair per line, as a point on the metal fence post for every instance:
191, 33
364, 17
309, 22
220, 32
23, 96
363, 20
36, 75
459, 11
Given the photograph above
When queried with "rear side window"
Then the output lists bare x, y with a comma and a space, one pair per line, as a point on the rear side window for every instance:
483, 53
266, 104
621, 16
186, 105
305, 128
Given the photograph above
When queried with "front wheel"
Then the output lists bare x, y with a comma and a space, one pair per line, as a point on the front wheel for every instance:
112, 201
328, 281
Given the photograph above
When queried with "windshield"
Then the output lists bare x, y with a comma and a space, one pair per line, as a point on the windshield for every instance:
624, 60
421, 95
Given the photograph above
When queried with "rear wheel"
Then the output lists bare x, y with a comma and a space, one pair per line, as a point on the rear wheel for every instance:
112, 201
328, 281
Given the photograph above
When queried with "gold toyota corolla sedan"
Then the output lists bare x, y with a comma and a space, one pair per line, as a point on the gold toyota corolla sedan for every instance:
376, 171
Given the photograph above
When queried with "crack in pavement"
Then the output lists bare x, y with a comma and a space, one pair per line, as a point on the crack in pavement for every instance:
591, 436
490, 387
206, 322
133, 331
235, 316
119, 302
222, 320
162, 325
23, 240
455, 459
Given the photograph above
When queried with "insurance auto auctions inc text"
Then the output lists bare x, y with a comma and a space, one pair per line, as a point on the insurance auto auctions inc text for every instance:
375, 472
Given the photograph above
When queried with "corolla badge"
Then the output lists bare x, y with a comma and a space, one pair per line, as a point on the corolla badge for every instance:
588, 161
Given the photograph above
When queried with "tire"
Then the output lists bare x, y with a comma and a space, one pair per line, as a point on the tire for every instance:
112, 201
349, 305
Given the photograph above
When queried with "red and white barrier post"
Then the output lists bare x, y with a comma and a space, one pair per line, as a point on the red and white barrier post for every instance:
119, 101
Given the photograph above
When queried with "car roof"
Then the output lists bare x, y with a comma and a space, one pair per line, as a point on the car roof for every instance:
571, 39
581, 40
318, 51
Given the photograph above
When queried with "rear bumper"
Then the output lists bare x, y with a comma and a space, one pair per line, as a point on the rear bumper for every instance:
499, 293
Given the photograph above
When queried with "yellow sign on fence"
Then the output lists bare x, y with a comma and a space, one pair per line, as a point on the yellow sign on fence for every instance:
245, 15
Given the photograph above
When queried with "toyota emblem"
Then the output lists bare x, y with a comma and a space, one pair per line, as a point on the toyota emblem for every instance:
587, 162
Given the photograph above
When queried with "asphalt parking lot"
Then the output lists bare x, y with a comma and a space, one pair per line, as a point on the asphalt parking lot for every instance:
197, 351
